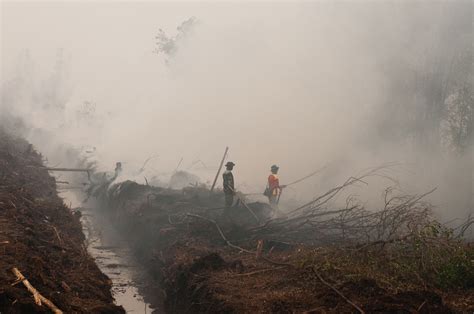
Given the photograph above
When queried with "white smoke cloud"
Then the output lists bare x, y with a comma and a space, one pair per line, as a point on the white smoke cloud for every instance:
297, 84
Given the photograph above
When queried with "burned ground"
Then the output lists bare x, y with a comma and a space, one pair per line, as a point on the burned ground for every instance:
43, 238
208, 262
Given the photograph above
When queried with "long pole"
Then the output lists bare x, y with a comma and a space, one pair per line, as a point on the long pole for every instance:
67, 169
306, 177
179, 164
248, 208
220, 167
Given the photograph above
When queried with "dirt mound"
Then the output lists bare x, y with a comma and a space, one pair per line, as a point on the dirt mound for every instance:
381, 300
260, 287
203, 257
188, 290
43, 238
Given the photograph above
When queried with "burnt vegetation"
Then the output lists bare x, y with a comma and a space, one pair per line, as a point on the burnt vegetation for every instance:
316, 258
330, 253
42, 238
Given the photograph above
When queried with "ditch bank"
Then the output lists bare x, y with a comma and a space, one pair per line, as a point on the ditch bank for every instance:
43, 239
204, 261
112, 255
155, 222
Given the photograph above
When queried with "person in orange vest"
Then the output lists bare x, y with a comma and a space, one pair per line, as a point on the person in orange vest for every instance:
274, 188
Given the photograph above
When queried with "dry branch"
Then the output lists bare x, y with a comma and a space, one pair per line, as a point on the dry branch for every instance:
221, 233
402, 216
39, 299
145, 162
57, 235
338, 292
248, 208
233, 245
259, 271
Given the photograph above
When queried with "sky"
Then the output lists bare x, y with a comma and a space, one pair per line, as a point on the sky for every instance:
298, 84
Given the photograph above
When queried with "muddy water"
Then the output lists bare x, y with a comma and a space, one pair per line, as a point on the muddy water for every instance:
114, 259
130, 285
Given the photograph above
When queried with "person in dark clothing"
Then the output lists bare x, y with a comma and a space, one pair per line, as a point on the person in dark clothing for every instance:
229, 189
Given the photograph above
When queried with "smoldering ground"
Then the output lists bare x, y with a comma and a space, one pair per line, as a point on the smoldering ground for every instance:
299, 84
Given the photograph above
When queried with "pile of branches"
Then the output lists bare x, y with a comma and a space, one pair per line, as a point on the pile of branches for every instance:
403, 235
402, 216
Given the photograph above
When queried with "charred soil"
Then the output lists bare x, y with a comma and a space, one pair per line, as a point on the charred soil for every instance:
43, 239
205, 261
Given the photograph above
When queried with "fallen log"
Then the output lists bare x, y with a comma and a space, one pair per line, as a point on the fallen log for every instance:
86, 170
39, 299
67, 169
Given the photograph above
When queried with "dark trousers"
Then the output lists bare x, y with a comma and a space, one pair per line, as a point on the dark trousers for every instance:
229, 199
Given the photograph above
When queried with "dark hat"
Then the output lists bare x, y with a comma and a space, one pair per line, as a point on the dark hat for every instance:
229, 163
275, 167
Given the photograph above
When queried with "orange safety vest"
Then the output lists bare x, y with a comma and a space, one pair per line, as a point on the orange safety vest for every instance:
274, 184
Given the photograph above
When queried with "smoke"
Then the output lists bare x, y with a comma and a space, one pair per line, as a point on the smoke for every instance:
343, 84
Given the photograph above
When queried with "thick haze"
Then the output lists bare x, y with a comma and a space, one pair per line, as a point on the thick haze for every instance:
297, 84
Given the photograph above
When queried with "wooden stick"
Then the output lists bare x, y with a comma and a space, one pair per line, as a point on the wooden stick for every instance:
179, 164
221, 233
338, 292
259, 249
215, 208
250, 210
39, 299
57, 235
235, 246
246, 206
421, 305
219, 170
